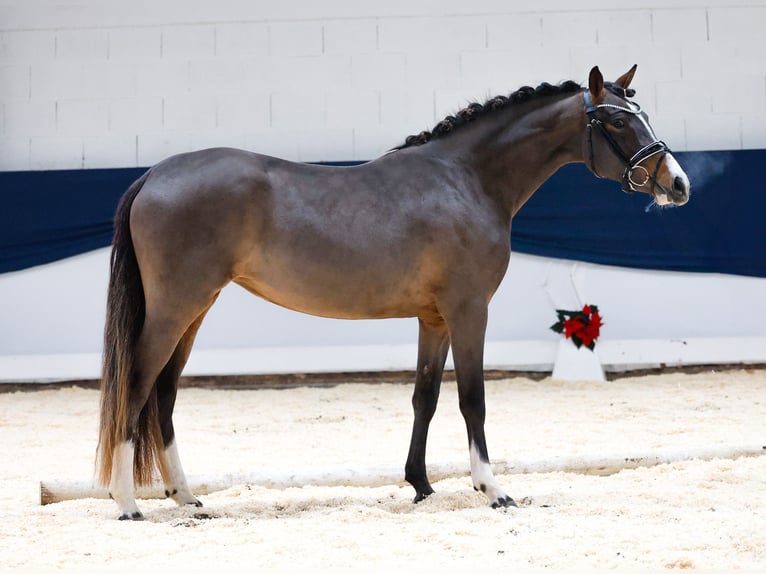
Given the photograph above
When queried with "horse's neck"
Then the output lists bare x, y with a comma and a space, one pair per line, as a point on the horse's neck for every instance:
522, 150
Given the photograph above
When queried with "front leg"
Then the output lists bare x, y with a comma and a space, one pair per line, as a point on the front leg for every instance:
433, 344
467, 330
484, 480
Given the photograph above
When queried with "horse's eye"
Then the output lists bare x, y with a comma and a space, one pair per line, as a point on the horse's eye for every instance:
618, 123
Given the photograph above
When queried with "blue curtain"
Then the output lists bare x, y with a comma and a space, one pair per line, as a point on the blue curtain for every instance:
50, 215
720, 230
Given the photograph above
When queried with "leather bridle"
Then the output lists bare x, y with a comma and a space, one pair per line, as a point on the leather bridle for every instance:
633, 167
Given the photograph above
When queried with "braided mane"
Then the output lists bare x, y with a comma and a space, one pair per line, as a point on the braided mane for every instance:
476, 110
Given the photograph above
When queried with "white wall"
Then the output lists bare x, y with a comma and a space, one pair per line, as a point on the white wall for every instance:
103, 83
53, 317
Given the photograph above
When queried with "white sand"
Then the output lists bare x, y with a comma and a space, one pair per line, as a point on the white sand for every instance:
689, 514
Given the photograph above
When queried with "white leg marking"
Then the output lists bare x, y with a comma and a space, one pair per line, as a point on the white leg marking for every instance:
121, 487
177, 488
484, 480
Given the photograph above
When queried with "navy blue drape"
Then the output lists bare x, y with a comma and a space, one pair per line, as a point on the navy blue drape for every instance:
50, 215
721, 229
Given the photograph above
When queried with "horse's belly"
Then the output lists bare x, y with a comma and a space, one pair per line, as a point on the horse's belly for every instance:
341, 296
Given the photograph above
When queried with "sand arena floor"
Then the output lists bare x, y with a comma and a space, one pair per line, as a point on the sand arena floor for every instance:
688, 514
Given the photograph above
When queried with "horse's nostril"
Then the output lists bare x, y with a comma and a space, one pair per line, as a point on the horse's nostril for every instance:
679, 185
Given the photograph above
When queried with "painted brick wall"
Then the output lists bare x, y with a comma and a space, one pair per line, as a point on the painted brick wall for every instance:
100, 83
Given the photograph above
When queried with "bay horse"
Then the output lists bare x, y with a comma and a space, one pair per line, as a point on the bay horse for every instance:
423, 231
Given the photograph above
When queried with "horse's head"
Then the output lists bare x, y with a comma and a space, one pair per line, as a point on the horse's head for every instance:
621, 145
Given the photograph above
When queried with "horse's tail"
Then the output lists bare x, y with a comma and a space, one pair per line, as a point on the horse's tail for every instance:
125, 312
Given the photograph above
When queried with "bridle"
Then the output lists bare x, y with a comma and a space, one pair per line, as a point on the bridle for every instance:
633, 167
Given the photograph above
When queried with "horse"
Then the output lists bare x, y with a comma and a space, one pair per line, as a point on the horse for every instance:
422, 231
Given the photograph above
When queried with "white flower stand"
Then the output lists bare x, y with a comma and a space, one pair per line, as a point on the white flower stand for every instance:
573, 364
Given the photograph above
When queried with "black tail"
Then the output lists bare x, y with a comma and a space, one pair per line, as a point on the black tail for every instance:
124, 319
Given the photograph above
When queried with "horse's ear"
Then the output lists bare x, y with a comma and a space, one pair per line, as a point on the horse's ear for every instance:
625, 80
596, 84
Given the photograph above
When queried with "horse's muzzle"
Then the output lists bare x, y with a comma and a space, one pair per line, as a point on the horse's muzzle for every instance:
679, 193
673, 187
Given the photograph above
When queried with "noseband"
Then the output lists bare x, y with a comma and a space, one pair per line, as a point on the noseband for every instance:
635, 177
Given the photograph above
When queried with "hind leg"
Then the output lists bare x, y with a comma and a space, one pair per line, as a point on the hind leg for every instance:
164, 327
155, 347
121, 487
176, 485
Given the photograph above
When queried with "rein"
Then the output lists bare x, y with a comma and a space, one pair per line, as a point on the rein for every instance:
632, 163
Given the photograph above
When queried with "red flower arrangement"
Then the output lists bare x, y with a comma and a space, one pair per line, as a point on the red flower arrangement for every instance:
583, 327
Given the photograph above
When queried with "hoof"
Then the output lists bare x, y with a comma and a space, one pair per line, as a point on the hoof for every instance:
420, 496
134, 516
183, 498
504, 502
422, 488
